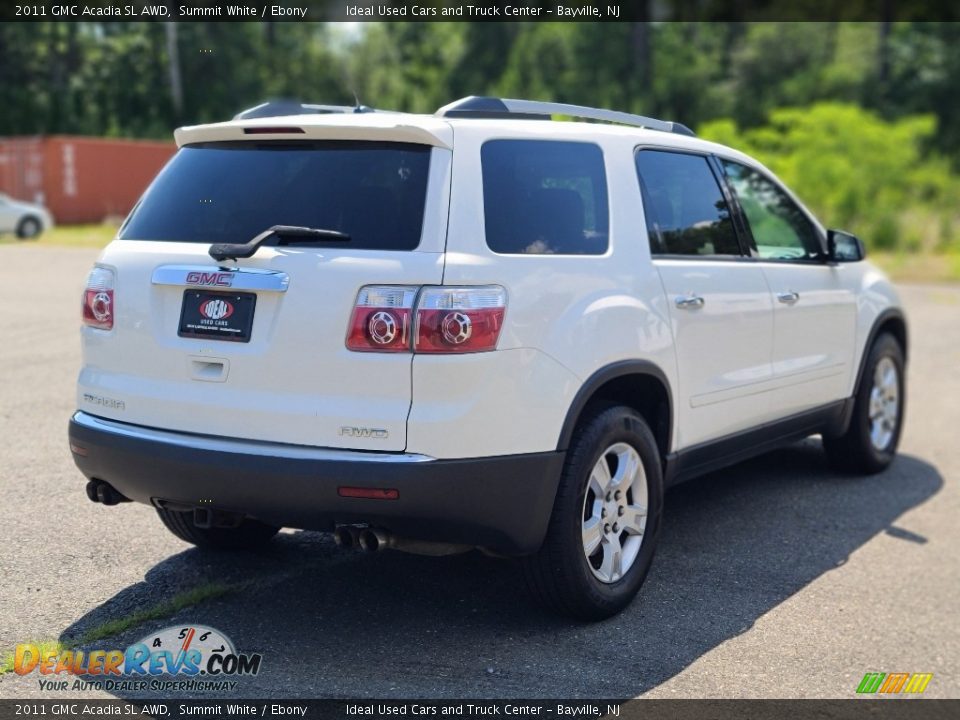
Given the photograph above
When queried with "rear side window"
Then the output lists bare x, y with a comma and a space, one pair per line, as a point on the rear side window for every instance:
544, 197
685, 209
230, 192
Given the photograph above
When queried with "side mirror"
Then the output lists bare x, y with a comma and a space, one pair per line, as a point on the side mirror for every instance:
844, 247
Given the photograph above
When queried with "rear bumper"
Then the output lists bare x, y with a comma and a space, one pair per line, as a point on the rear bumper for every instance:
500, 503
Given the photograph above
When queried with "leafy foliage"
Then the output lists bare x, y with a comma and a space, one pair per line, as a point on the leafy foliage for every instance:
855, 170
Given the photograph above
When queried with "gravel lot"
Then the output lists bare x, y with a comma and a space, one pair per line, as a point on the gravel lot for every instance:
776, 578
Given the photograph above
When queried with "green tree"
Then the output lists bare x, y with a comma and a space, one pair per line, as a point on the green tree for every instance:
854, 169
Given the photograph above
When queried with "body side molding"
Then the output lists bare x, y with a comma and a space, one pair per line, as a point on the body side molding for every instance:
706, 457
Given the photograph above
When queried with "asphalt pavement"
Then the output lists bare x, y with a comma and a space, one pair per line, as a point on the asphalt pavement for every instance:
776, 578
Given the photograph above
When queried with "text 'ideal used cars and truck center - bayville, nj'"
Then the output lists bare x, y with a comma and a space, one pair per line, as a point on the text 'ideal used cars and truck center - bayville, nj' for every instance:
481, 11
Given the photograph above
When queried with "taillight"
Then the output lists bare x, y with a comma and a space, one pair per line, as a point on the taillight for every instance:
382, 319
98, 307
459, 319
445, 320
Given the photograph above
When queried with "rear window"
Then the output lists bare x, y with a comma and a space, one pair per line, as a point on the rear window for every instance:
230, 192
544, 197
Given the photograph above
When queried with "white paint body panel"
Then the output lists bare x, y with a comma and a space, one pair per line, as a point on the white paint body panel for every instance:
294, 382
723, 348
813, 337
498, 403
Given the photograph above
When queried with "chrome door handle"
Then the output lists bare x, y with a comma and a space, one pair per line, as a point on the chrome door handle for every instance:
788, 298
689, 302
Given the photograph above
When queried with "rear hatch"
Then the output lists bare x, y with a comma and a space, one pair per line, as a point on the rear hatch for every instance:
255, 348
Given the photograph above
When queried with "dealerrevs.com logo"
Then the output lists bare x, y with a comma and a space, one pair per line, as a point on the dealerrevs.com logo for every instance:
198, 658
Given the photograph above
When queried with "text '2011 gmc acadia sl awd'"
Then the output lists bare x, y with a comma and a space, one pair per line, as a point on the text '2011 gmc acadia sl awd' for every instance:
477, 329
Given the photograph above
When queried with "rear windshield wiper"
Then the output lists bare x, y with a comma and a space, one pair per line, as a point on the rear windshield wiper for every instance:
289, 233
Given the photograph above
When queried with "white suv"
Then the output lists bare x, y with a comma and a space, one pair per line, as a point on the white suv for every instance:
478, 329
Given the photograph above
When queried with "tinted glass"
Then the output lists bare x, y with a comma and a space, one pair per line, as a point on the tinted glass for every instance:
780, 229
544, 197
685, 209
230, 192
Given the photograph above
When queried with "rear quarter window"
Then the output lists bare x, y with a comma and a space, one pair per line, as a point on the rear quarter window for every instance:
685, 209
544, 197
231, 192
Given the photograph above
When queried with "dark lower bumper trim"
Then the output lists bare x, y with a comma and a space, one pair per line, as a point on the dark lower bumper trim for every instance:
500, 503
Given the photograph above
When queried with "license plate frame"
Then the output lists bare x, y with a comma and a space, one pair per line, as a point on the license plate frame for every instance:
229, 320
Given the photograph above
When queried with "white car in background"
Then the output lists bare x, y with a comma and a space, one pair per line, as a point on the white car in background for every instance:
27, 220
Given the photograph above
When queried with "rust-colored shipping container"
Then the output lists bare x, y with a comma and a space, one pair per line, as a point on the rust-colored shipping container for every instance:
80, 179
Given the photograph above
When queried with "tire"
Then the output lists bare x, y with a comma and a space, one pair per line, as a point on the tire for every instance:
248, 535
870, 444
560, 575
29, 228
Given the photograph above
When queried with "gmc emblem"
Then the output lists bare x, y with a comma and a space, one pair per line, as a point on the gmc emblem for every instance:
221, 279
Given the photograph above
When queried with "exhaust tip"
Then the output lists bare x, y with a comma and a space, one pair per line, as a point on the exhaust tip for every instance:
91, 490
372, 541
100, 492
344, 537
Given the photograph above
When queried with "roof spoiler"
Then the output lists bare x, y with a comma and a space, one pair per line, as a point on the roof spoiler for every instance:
278, 108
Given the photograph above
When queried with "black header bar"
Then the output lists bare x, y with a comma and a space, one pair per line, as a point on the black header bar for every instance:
479, 10
855, 709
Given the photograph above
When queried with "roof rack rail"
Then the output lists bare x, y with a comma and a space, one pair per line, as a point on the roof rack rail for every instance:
491, 107
276, 108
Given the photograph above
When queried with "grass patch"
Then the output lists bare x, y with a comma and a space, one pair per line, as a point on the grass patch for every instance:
168, 607
118, 625
928, 267
87, 236
93, 236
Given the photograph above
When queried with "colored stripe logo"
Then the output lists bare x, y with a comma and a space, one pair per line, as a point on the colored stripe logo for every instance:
894, 683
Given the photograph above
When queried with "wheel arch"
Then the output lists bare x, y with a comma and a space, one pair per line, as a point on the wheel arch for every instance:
892, 321
639, 384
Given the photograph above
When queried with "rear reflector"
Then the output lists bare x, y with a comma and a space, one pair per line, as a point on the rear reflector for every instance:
272, 130
98, 305
369, 493
78, 450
